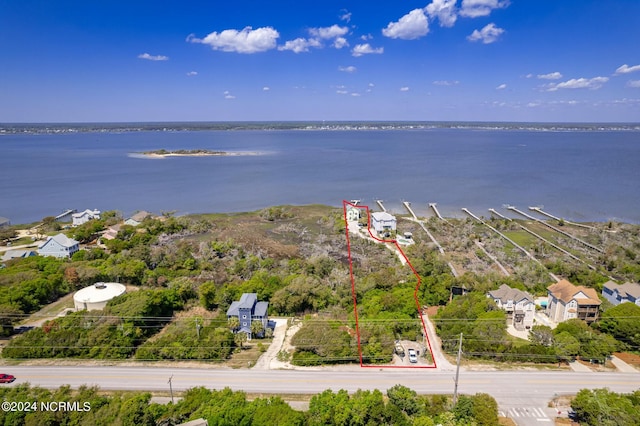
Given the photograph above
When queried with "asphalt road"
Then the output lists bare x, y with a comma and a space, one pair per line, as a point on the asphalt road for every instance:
512, 389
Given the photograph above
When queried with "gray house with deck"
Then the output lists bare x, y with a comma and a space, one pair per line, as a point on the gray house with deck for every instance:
247, 310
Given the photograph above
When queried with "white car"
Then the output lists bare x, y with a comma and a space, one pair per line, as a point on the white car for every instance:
413, 357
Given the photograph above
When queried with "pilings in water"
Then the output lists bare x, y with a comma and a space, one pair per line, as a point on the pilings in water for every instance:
566, 234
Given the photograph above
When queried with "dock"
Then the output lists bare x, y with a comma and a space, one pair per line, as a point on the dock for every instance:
493, 258
516, 245
379, 202
434, 207
559, 219
408, 207
501, 216
566, 234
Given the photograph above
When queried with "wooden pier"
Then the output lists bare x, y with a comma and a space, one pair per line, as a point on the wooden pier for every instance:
379, 202
559, 219
434, 207
566, 234
501, 216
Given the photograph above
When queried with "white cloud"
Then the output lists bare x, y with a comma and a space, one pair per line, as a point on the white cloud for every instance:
349, 69
192, 73
501, 87
551, 76
153, 57
366, 49
266, 88
366, 37
411, 26
634, 83
477, 8
488, 34
247, 40
346, 16
328, 33
404, 89
355, 94
446, 82
340, 42
444, 10
342, 92
578, 83
626, 69
300, 45
528, 75
228, 95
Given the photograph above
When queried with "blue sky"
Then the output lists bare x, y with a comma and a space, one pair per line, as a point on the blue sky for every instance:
462, 60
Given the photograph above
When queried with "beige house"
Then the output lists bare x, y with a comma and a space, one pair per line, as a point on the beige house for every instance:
517, 304
567, 301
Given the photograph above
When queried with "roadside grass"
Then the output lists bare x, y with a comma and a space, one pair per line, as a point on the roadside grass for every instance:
247, 356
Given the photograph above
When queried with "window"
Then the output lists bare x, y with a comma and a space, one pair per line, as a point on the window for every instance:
244, 317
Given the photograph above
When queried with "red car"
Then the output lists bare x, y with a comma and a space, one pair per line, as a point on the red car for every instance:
6, 378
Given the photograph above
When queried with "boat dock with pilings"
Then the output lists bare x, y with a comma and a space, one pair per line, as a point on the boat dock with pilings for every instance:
559, 219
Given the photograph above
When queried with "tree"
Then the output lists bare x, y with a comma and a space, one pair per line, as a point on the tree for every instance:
257, 328
566, 346
623, 323
233, 323
541, 335
405, 399
207, 292
240, 338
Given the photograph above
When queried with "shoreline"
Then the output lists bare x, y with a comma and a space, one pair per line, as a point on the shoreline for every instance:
154, 154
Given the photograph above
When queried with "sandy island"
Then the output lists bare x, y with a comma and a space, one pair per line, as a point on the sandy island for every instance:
163, 153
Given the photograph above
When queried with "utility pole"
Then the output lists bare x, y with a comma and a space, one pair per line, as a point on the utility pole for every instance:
455, 388
171, 388
198, 328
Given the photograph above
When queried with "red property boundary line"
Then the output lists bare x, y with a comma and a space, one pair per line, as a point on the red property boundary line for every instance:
346, 204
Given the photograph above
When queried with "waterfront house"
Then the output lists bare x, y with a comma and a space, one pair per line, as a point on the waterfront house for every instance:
17, 254
567, 301
247, 310
66, 215
59, 246
84, 216
616, 293
137, 218
353, 214
111, 232
383, 222
518, 305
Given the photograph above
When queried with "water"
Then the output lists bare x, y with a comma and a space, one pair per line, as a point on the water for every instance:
580, 175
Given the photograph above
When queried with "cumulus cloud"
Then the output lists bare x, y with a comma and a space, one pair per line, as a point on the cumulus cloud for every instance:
445, 82
153, 57
327, 33
626, 69
192, 73
246, 40
404, 89
444, 10
366, 49
349, 69
300, 45
501, 87
578, 83
551, 76
228, 95
634, 84
477, 8
340, 42
487, 35
342, 92
345, 16
411, 26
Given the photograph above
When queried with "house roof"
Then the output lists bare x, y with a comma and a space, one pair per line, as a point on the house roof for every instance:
382, 216
506, 293
61, 239
625, 290
261, 309
565, 291
140, 216
248, 301
14, 254
87, 212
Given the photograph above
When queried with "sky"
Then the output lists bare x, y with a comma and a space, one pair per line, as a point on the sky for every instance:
431, 60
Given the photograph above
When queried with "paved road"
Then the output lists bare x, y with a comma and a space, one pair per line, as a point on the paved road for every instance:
512, 389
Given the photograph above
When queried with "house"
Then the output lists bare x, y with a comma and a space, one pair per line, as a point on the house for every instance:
4, 222
518, 304
383, 222
137, 218
59, 246
353, 214
616, 293
17, 254
111, 232
567, 301
66, 215
247, 310
84, 217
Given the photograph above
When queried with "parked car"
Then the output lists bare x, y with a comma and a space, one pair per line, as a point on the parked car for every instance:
413, 357
399, 349
7, 378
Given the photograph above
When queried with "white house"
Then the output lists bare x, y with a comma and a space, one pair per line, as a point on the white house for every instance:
353, 214
616, 293
137, 218
567, 301
518, 304
95, 297
84, 217
383, 222
59, 246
